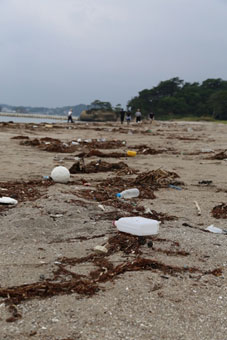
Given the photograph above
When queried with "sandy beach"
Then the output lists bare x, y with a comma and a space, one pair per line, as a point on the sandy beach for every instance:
54, 286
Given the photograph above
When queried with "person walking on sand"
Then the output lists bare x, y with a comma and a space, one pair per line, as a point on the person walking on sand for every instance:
128, 117
122, 114
151, 116
138, 116
70, 118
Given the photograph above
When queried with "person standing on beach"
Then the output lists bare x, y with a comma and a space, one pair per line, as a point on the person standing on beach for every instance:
122, 114
138, 116
70, 118
128, 117
151, 116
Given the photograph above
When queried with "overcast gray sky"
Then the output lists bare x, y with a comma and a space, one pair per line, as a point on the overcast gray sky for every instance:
65, 52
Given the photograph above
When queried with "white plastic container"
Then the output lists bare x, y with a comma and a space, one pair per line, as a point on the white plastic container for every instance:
8, 200
60, 174
139, 226
129, 193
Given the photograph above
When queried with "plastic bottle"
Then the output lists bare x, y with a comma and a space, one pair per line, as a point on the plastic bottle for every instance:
139, 226
129, 193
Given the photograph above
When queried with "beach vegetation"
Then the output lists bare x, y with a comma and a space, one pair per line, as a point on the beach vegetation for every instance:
175, 98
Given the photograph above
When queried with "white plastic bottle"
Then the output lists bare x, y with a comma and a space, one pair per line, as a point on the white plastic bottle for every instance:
129, 193
139, 226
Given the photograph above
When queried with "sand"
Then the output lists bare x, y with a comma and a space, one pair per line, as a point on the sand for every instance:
53, 224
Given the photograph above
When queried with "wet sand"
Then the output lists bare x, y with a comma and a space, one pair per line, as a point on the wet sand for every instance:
53, 285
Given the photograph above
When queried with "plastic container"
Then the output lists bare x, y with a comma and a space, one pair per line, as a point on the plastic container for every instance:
60, 174
131, 153
8, 200
129, 193
139, 226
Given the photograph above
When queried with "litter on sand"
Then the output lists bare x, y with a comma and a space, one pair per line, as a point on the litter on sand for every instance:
216, 230
60, 174
137, 225
8, 200
198, 208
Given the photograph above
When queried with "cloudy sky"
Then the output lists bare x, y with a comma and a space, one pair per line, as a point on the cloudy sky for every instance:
65, 52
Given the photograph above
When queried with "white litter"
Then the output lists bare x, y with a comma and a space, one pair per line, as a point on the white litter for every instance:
206, 150
100, 249
214, 229
138, 225
60, 174
8, 200
101, 207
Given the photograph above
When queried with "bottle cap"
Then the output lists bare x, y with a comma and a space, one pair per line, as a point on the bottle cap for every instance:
118, 195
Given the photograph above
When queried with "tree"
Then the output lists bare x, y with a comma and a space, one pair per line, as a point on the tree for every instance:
173, 97
149, 100
99, 105
118, 108
218, 101
214, 84
168, 88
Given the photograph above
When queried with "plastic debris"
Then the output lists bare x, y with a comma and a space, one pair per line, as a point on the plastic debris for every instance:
100, 249
8, 200
148, 211
139, 226
56, 215
46, 177
60, 174
131, 153
206, 150
174, 187
129, 193
214, 229
101, 207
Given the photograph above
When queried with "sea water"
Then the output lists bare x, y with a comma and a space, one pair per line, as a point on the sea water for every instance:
31, 119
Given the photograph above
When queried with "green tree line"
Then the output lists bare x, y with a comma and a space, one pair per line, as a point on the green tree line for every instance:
175, 98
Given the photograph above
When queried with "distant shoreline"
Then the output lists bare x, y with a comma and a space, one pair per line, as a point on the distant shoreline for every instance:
29, 115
